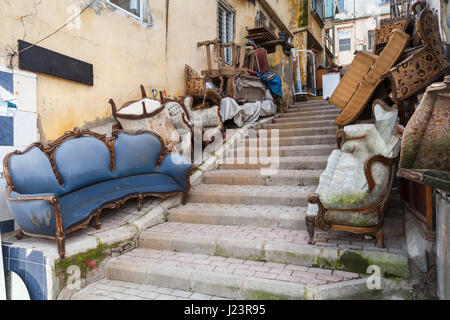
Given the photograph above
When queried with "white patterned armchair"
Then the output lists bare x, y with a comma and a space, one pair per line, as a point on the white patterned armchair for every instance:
357, 181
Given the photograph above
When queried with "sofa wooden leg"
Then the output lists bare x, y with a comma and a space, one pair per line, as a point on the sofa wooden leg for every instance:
184, 200
97, 222
61, 246
380, 238
310, 224
19, 234
140, 199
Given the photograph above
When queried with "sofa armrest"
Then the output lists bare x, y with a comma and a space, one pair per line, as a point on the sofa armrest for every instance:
15, 196
389, 162
177, 167
36, 213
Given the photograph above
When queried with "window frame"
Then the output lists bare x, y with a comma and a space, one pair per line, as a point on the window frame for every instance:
339, 5
228, 10
141, 9
349, 38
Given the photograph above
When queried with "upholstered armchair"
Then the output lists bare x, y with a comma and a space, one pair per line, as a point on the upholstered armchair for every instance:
184, 116
425, 156
356, 183
209, 118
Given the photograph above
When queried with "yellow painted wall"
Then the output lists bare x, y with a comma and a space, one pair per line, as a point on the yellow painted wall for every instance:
125, 53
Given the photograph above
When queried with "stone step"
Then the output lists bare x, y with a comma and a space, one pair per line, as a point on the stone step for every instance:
250, 195
293, 141
125, 290
307, 113
300, 131
240, 215
280, 163
304, 119
332, 250
299, 124
311, 108
257, 177
286, 151
230, 278
309, 103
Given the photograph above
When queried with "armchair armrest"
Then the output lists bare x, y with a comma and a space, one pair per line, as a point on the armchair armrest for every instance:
177, 167
37, 214
389, 162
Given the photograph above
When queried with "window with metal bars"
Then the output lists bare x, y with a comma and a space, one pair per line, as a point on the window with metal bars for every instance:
225, 29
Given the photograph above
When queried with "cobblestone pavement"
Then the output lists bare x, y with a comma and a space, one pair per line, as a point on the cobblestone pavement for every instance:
257, 269
338, 239
122, 290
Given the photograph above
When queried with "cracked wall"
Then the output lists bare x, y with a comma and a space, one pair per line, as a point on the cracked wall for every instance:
125, 53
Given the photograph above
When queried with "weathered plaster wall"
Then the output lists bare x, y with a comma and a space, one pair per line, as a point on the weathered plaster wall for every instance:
124, 53
283, 66
189, 24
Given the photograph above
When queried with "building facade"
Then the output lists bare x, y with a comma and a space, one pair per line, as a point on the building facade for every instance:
127, 42
355, 26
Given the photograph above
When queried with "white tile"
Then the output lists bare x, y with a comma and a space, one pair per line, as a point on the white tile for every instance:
5, 214
4, 150
25, 89
25, 128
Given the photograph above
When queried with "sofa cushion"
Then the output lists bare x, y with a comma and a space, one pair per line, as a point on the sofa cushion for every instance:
82, 162
32, 173
136, 154
78, 205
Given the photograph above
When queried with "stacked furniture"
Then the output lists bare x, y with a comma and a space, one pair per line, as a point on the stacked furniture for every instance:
353, 108
425, 157
55, 190
425, 65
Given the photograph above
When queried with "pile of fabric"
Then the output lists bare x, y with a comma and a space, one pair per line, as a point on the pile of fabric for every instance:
248, 112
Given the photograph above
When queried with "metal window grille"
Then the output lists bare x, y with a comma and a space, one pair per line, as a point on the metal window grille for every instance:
225, 23
345, 44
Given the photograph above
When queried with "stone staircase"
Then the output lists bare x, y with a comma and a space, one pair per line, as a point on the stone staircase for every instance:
242, 233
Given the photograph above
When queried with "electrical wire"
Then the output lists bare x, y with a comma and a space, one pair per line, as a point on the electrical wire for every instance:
14, 53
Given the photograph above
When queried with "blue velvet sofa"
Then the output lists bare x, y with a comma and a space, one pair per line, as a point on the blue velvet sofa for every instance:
58, 189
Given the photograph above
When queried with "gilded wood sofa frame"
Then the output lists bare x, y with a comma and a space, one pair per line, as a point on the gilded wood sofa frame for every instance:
50, 153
